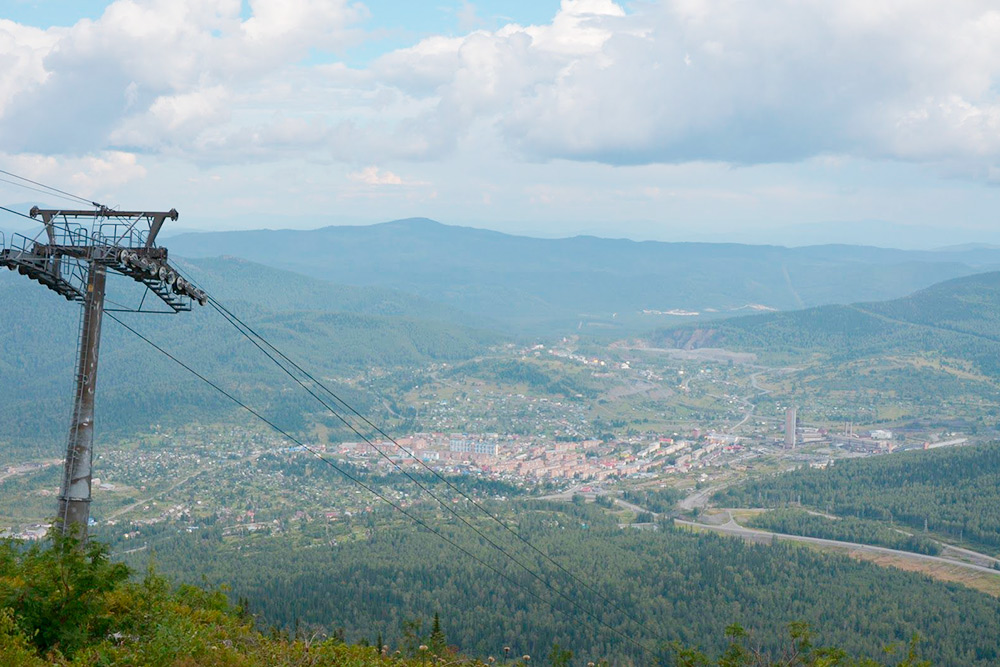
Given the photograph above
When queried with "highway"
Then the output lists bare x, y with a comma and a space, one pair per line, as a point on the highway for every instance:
974, 555
700, 499
635, 508
733, 528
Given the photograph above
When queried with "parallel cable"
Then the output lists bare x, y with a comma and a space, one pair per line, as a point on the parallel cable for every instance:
443, 504
49, 187
23, 215
225, 312
44, 192
367, 487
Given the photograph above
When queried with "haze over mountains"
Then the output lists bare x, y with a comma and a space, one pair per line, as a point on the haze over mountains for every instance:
588, 283
334, 329
957, 319
414, 291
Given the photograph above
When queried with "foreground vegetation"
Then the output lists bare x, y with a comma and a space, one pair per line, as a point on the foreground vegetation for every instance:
65, 603
950, 492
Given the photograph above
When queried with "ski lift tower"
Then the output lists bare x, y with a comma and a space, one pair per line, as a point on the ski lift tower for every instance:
72, 256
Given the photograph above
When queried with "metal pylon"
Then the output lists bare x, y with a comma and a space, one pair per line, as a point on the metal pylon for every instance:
74, 261
74, 495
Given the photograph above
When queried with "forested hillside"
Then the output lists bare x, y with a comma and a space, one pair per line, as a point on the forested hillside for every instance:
932, 355
234, 280
956, 319
63, 603
953, 492
681, 586
332, 330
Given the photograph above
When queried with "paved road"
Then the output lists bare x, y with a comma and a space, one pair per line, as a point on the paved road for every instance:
750, 407
128, 508
700, 499
733, 528
761, 391
567, 494
980, 558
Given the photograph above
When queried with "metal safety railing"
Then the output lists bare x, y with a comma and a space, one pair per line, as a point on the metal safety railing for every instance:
59, 257
122, 233
47, 265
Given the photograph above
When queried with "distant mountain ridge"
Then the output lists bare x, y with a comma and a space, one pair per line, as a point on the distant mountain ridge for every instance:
584, 282
234, 278
958, 319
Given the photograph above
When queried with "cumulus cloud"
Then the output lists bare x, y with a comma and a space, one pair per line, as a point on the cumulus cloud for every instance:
88, 176
685, 80
666, 82
153, 74
372, 176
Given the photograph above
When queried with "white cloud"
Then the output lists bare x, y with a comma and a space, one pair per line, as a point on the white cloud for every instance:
372, 176
375, 176
93, 176
737, 82
112, 169
154, 74
675, 81
22, 50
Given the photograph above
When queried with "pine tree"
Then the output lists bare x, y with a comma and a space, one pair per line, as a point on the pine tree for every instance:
438, 643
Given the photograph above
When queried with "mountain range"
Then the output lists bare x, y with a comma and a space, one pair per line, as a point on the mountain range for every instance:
958, 318
596, 285
413, 292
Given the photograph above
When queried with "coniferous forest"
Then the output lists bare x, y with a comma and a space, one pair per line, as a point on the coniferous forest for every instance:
681, 586
950, 492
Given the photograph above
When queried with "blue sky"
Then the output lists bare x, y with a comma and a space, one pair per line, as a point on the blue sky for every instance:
792, 122
417, 17
47, 13
392, 23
